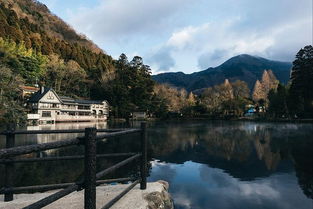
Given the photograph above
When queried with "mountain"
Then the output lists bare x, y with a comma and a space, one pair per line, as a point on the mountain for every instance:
39, 14
32, 23
242, 67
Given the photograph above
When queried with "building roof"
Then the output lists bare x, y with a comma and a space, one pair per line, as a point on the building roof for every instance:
38, 95
64, 99
29, 88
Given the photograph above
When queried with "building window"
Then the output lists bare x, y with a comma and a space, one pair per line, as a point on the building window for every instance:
72, 113
46, 114
50, 96
83, 107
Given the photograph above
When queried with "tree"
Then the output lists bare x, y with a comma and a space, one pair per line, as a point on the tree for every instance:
55, 72
227, 98
278, 102
240, 89
175, 99
130, 88
11, 109
263, 87
302, 83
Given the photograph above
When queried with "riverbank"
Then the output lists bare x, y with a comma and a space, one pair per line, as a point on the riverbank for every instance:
155, 196
283, 120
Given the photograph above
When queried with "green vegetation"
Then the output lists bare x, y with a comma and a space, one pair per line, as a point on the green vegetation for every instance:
11, 109
36, 47
129, 88
296, 99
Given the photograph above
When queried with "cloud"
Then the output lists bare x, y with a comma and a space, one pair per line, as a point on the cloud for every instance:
195, 35
162, 59
214, 42
116, 20
216, 55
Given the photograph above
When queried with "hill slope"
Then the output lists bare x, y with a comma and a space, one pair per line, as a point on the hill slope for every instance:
39, 14
32, 23
242, 67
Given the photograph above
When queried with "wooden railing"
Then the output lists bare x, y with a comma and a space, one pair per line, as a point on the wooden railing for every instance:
91, 177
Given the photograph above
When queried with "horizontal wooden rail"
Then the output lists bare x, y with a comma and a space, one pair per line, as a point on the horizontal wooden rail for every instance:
90, 180
54, 197
116, 166
119, 196
21, 150
48, 200
120, 133
77, 157
38, 188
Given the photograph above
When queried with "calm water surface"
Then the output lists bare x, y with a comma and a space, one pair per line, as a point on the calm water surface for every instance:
208, 164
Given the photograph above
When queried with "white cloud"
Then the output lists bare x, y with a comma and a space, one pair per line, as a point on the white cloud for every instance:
116, 20
219, 41
194, 35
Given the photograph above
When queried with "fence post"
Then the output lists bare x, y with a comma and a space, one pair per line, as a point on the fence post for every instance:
143, 164
90, 168
9, 167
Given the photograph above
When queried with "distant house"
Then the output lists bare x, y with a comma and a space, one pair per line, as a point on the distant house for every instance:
27, 91
46, 106
139, 115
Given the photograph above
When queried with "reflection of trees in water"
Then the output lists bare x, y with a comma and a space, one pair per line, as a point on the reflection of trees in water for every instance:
167, 140
245, 150
230, 144
302, 154
262, 144
236, 144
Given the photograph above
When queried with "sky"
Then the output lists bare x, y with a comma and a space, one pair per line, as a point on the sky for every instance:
191, 35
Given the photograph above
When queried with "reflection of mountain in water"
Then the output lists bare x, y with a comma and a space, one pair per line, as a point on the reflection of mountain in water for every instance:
243, 150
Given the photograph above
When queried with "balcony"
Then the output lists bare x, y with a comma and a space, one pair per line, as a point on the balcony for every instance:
33, 116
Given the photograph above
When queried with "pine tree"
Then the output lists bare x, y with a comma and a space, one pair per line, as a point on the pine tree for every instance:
301, 89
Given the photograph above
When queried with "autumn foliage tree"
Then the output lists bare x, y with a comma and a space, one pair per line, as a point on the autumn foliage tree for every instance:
262, 88
227, 98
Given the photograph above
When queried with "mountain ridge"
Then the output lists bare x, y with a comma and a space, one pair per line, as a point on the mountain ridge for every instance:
241, 67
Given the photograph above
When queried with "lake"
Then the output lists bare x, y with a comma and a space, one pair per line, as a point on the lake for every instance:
208, 164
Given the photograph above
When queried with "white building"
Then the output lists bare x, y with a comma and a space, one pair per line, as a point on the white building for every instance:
46, 106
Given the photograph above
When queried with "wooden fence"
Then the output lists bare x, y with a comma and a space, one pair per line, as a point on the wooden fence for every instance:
91, 177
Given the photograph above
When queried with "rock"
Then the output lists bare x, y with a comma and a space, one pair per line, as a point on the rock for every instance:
158, 200
165, 184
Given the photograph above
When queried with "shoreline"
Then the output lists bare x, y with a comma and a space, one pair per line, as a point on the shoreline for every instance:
265, 120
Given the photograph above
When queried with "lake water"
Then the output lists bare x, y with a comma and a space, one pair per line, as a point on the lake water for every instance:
208, 164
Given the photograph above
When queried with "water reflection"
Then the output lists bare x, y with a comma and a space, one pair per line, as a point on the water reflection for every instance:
43, 138
208, 164
64, 171
235, 164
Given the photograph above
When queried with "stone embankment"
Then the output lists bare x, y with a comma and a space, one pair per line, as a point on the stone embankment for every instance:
156, 196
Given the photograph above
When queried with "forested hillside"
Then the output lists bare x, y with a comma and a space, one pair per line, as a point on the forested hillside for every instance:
29, 24
37, 47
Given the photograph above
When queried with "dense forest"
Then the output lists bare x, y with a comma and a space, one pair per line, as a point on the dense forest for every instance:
37, 47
